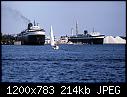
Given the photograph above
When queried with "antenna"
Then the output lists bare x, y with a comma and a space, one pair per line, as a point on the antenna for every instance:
34, 23
72, 31
93, 29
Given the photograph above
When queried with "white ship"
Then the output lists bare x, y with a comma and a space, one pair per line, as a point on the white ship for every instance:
33, 35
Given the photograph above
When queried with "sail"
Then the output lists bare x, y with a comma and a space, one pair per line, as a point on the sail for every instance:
52, 37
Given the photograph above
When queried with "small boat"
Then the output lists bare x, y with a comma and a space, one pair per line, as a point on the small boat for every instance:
53, 44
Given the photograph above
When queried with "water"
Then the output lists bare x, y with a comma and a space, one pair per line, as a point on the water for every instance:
71, 63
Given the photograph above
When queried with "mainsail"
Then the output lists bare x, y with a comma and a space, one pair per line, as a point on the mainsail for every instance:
52, 37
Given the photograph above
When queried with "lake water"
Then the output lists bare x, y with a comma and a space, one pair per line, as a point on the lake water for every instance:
71, 63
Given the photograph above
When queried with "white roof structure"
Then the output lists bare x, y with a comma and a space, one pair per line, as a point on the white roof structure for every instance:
94, 33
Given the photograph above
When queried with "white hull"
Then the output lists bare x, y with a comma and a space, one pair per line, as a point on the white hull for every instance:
34, 33
55, 47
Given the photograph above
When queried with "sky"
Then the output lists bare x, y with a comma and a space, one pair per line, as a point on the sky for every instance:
106, 17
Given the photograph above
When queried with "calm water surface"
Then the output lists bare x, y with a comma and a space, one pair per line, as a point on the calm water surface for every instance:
71, 63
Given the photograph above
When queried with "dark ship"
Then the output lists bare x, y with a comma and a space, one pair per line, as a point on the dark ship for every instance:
86, 38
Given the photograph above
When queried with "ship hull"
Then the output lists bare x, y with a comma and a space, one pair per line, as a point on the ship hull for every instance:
87, 41
33, 40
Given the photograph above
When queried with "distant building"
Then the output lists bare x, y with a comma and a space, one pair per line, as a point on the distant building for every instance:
63, 39
47, 40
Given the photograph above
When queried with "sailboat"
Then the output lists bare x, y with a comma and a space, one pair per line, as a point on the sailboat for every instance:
53, 44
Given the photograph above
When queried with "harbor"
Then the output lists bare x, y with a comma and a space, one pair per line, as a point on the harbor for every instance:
6, 40
63, 42
14, 40
34, 35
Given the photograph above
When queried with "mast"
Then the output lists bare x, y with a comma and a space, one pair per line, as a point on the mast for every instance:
76, 28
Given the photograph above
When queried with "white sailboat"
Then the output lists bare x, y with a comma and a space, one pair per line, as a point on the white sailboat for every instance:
53, 44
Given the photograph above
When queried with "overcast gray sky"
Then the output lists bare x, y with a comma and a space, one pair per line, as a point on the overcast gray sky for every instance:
107, 17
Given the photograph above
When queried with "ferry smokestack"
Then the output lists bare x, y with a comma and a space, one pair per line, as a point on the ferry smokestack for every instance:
29, 25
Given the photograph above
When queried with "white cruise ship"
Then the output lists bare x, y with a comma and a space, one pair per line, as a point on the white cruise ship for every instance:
33, 35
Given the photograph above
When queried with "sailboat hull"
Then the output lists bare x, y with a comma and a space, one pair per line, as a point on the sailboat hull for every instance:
56, 47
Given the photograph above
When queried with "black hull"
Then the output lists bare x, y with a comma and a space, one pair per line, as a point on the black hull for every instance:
87, 41
33, 40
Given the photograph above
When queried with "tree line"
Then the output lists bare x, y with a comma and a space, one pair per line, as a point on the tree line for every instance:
8, 39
